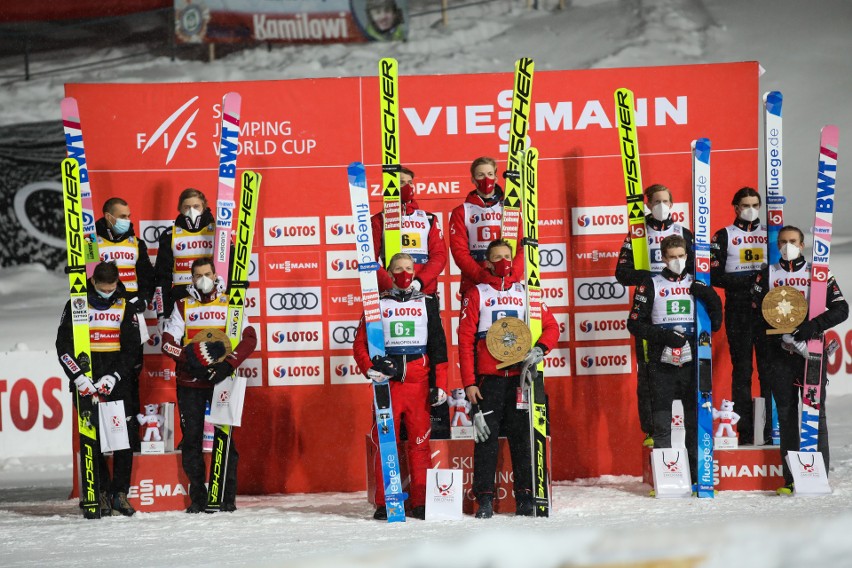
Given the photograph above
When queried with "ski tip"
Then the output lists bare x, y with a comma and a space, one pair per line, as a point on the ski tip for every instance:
623, 93
701, 149
773, 100
387, 62
830, 136
357, 174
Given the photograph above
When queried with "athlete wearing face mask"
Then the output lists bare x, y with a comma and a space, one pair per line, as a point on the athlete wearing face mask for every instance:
190, 238
109, 375
786, 365
415, 363
199, 365
737, 253
663, 315
658, 225
494, 393
477, 222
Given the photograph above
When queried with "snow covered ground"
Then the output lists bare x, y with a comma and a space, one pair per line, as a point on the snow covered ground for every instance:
803, 45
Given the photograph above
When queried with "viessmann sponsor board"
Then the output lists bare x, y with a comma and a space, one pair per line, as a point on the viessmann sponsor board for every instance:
305, 220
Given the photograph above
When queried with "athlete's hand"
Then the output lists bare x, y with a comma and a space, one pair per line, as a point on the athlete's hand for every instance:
472, 394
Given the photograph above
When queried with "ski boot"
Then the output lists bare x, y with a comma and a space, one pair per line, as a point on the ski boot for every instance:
486, 507
120, 505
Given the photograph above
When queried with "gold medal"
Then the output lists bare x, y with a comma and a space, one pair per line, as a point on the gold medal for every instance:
784, 308
508, 340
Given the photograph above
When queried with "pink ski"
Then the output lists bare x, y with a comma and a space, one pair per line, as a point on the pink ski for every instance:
75, 149
228, 145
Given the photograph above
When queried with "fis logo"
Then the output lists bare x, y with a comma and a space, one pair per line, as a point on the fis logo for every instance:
275, 231
163, 132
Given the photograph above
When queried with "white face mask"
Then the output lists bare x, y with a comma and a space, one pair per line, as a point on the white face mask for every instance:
204, 285
661, 211
676, 265
790, 252
193, 214
749, 214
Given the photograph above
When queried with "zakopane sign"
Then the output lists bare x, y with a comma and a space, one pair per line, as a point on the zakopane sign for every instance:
309, 405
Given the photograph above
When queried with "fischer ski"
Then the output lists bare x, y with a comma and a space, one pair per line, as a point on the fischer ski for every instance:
249, 198
518, 127
773, 162
389, 104
632, 178
704, 362
75, 237
826, 179
229, 134
367, 268
538, 407
76, 150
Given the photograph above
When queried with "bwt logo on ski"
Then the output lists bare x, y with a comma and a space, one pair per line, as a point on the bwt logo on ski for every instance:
172, 139
486, 216
749, 239
290, 231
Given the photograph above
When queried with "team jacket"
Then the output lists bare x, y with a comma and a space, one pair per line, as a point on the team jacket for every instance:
435, 248
837, 309
736, 255
432, 364
142, 270
165, 267
625, 272
177, 333
113, 354
471, 334
648, 312
464, 231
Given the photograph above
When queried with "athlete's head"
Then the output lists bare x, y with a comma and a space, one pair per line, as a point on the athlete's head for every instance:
105, 279
498, 258
483, 174
791, 241
191, 203
746, 204
659, 200
385, 15
117, 214
203, 274
673, 251
401, 269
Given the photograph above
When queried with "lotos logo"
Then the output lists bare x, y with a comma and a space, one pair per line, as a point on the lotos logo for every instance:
401, 312
341, 370
180, 245
104, 316
154, 340
675, 291
486, 216
604, 219
279, 337
347, 369
503, 301
748, 239
664, 292
586, 326
193, 316
588, 362
794, 281
280, 371
338, 229
736, 241
584, 221
275, 231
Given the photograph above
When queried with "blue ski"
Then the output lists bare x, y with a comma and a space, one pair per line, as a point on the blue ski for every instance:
367, 268
704, 364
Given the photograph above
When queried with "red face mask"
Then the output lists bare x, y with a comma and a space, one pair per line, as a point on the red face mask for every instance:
403, 279
406, 193
485, 186
502, 268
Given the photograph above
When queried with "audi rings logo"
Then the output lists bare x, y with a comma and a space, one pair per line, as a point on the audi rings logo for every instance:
343, 334
600, 291
550, 257
152, 233
293, 301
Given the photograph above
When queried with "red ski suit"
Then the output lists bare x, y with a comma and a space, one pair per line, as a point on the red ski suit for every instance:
473, 271
485, 363
410, 398
426, 273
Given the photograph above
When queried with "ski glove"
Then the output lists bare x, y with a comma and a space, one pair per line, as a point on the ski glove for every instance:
106, 383
481, 431
201, 355
137, 305
385, 365
416, 285
218, 372
437, 396
701, 291
534, 357
792, 346
807, 330
377, 376
674, 339
85, 386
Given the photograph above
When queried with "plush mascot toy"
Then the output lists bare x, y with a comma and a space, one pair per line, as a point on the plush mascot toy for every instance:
152, 422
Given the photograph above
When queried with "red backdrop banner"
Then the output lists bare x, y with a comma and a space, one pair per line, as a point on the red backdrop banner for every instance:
309, 406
